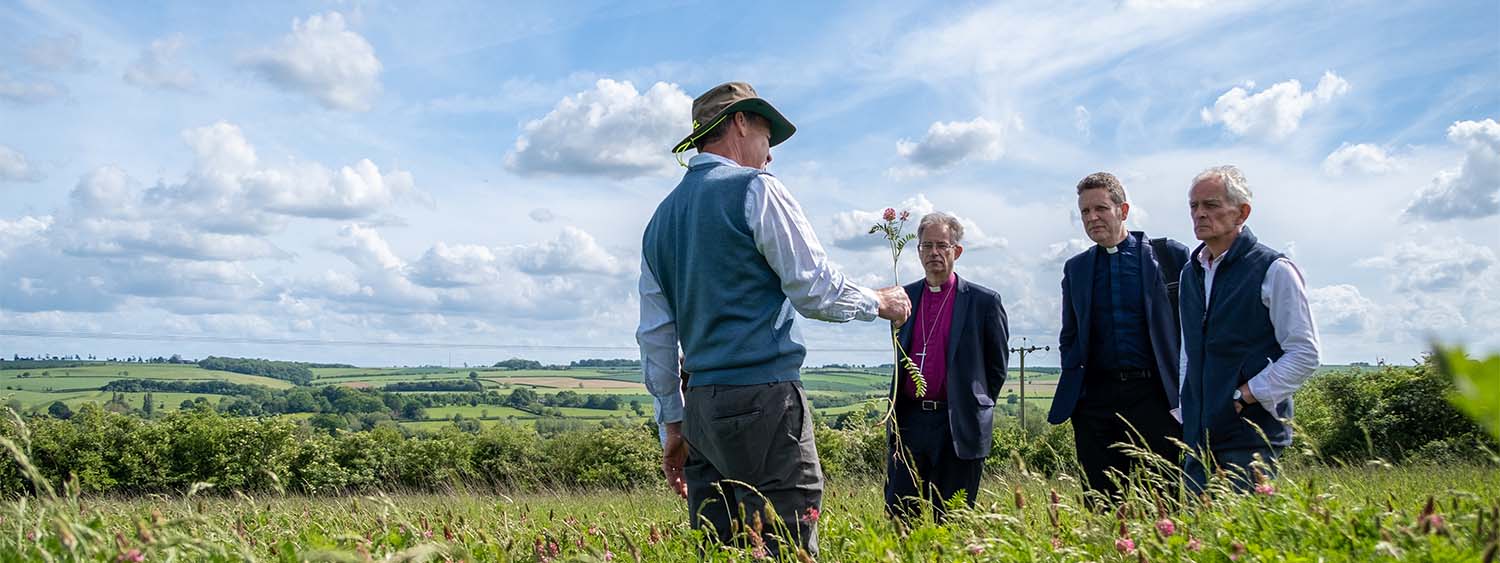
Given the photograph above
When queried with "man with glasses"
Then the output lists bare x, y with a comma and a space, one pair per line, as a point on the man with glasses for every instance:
957, 337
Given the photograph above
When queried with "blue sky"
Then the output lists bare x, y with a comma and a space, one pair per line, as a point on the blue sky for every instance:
336, 174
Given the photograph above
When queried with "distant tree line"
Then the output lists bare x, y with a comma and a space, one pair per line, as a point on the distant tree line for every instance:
435, 385
295, 372
596, 363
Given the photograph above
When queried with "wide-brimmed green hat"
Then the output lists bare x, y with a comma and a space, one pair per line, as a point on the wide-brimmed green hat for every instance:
723, 101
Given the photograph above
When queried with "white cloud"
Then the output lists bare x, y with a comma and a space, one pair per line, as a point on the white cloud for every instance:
1341, 309
98, 237
573, 251
1273, 113
231, 190
312, 190
159, 67
367, 249
541, 215
949, 143
1081, 122
25, 230
325, 60
458, 265
1363, 159
14, 167
28, 91
1432, 265
1472, 190
611, 130
851, 229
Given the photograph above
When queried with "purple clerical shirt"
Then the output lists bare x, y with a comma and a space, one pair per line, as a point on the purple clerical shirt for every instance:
929, 341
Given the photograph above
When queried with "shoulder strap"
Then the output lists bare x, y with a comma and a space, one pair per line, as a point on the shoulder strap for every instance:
1171, 273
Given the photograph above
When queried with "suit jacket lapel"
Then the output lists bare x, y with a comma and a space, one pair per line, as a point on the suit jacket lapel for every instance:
1083, 295
960, 315
913, 294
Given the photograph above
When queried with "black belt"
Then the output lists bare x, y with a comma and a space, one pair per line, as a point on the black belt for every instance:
924, 404
1124, 374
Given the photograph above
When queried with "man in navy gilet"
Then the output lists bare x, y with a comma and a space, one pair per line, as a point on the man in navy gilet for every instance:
727, 262
1120, 343
1248, 338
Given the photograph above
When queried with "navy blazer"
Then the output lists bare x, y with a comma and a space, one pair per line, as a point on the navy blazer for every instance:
1073, 343
977, 356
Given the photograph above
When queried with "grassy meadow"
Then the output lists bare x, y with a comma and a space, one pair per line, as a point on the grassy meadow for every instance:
1370, 513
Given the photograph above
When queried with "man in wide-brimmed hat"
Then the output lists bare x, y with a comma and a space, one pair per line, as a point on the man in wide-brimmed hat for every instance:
726, 262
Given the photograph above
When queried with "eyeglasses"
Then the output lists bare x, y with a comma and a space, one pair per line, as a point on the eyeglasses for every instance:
930, 246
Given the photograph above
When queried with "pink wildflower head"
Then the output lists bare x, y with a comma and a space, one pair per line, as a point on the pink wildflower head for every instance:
811, 515
1194, 545
890, 214
609, 555
759, 552
133, 556
1125, 545
905, 215
1166, 527
1056, 543
975, 549
1265, 489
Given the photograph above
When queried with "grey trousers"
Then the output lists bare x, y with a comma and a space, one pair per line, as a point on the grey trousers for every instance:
751, 451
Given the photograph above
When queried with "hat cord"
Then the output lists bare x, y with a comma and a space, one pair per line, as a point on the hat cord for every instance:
688, 143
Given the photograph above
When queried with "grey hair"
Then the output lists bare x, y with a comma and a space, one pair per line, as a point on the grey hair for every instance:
955, 228
1107, 182
1233, 180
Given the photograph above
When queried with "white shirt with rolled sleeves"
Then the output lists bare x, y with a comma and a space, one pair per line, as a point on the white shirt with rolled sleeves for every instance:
1284, 293
786, 239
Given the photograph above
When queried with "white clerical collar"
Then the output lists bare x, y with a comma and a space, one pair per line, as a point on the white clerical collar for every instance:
1111, 249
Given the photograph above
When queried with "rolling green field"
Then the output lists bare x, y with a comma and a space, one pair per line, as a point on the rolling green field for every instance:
34, 389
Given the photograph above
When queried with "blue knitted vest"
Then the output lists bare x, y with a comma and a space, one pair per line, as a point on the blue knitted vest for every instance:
735, 324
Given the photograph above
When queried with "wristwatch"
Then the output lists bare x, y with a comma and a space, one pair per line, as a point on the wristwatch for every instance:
1240, 398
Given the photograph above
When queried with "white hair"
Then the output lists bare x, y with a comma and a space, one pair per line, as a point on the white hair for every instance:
1233, 180
939, 218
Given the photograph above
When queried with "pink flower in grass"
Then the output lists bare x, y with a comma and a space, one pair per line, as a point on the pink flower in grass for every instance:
1194, 545
609, 555
1125, 545
1265, 489
1056, 543
1236, 551
890, 214
132, 556
811, 515
1166, 527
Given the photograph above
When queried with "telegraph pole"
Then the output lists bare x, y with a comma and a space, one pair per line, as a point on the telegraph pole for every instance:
1023, 350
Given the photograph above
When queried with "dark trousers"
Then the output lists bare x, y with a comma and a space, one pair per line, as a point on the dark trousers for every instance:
751, 458
1238, 465
922, 467
1098, 428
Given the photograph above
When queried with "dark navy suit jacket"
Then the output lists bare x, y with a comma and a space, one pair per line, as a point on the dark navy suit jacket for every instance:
977, 356
1073, 343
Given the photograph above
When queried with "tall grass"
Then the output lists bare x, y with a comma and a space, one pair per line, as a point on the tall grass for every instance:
1366, 513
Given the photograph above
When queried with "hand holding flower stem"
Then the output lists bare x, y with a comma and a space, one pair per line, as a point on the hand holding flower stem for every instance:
892, 226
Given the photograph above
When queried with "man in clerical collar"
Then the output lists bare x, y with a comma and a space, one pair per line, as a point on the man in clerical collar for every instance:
1250, 341
957, 336
1120, 342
